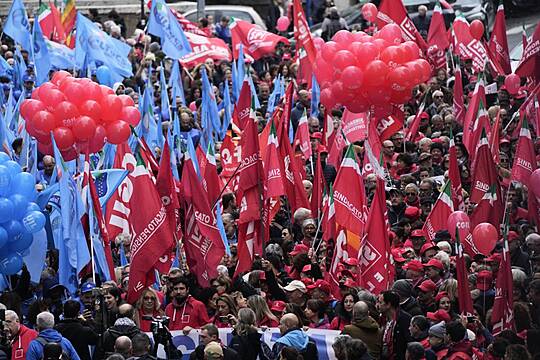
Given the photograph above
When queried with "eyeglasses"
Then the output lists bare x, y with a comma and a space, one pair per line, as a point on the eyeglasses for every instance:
410, 193
149, 297
438, 97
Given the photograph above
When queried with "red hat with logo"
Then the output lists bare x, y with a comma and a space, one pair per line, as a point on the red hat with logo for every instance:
306, 268
418, 233
322, 285
484, 280
316, 135
440, 295
414, 265
427, 285
436, 263
397, 255
351, 261
348, 283
278, 306
412, 212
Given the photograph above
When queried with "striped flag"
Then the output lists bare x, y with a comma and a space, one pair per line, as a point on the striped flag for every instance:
45, 19
68, 22
438, 217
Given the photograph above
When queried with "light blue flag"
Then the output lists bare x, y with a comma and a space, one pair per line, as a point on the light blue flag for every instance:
176, 262
315, 96
123, 259
109, 152
17, 25
73, 251
175, 81
106, 182
5, 68
6, 146
255, 98
163, 23
61, 56
193, 156
35, 259
42, 61
101, 266
211, 109
274, 97
241, 68
227, 111
19, 70
236, 86
165, 110
98, 46
148, 124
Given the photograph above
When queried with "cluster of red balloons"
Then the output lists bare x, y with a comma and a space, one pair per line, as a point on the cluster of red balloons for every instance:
365, 72
80, 113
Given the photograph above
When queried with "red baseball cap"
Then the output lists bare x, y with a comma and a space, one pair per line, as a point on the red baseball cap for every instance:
278, 306
512, 235
418, 233
495, 257
351, 262
427, 285
436, 263
316, 135
440, 295
414, 265
397, 255
412, 212
349, 283
439, 315
306, 268
299, 249
322, 285
427, 246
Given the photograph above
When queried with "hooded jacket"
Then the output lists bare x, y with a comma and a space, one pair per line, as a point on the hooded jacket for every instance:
21, 342
369, 332
35, 350
297, 339
121, 327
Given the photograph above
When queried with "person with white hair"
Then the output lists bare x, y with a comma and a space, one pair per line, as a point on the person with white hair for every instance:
19, 335
47, 334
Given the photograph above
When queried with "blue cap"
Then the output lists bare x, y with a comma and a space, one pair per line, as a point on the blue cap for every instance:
27, 78
86, 287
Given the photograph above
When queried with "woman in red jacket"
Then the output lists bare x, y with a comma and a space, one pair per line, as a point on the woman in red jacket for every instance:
344, 311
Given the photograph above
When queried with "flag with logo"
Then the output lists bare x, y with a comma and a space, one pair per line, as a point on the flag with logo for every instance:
502, 317
464, 295
256, 41
42, 60
457, 104
525, 157
454, 175
465, 45
437, 39
17, 26
302, 34
438, 217
302, 137
498, 43
393, 12
163, 24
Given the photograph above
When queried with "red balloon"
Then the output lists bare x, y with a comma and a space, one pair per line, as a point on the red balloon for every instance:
398, 79
343, 37
512, 83
70, 154
369, 12
426, 69
43, 122
118, 132
381, 44
358, 36
358, 104
318, 42
400, 96
51, 97
91, 108
35, 94
97, 142
412, 49
343, 59
382, 111
29, 107
45, 149
64, 138
131, 115
327, 98
65, 114
391, 33
75, 93
94, 91
84, 128
476, 29
64, 83
459, 220
352, 77
377, 95
485, 237
126, 100
393, 56
415, 72
59, 76
375, 72
112, 106
364, 53
329, 50
105, 90
323, 71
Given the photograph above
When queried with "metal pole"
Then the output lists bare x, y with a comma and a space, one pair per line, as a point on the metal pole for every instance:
200, 8
142, 9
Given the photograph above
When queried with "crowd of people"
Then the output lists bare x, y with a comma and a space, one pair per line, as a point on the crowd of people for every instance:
417, 318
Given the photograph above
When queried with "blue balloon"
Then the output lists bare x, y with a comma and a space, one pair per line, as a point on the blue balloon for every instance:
21, 242
3, 237
32, 206
13, 167
20, 203
5, 179
13, 228
11, 263
23, 184
6, 209
34, 221
3, 157
103, 74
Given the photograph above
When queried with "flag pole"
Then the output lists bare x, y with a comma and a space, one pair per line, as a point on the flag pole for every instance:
317, 232
226, 184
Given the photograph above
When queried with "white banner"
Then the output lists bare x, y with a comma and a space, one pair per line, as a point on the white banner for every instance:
187, 343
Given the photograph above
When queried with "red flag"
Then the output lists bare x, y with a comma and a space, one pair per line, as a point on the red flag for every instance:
524, 158
437, 39
495, 138
349, 197
302, 35
147, 224
454, 176
167, 189
204, 48
272, 166
412, 131
187, 26
486, 191
329, 220
534, 208
464, 295
465, 45
328, 130
302, 137
339, 143
230, 154
304, 71
203, 244
242, 108
438, 217
354, 125
529, 65
458, 105
386, 127
498, 44
391, 11
502, 317
257, 42
374, 257
476, 115
340, 254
